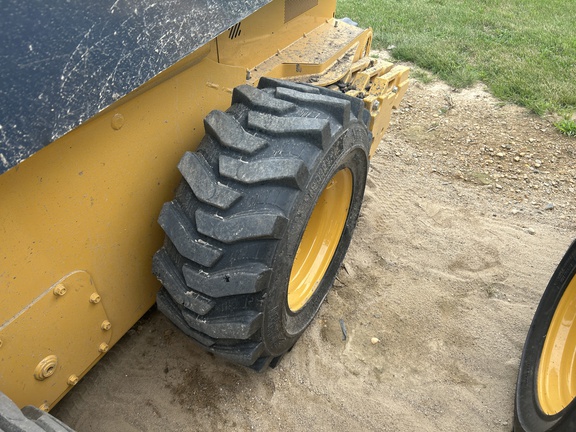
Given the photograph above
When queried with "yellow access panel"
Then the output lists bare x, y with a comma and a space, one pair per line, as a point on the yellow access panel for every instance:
74, 331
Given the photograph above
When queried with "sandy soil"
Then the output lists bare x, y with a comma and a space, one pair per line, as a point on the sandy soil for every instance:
469, 207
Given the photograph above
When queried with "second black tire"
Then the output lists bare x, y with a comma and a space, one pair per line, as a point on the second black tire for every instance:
263, 218
546, 387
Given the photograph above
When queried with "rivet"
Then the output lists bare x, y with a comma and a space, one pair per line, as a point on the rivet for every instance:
117, 121
106, 325
59, 290
95, 298
44, 407
104, 347
46, 368
73, 380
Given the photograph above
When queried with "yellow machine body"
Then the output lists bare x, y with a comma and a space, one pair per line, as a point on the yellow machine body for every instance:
78, 218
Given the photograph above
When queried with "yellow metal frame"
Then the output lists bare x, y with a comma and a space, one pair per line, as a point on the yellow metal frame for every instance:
320, 239
387, 85
557, 368
87, 204
322, 56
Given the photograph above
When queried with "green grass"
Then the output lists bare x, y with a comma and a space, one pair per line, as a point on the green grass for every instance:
566, 127
421, 75
523, 50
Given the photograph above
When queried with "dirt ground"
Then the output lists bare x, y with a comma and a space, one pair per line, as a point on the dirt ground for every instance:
469, 207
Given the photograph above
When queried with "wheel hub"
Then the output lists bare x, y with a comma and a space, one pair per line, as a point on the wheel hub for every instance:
557, 369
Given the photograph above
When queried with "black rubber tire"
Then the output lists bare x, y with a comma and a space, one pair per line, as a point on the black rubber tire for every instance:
528, 415
30, 419
238, 216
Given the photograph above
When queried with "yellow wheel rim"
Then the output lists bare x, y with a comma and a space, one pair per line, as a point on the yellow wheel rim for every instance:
320, 239
557, 369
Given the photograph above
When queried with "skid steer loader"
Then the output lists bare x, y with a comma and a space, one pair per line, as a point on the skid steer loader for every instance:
209, 156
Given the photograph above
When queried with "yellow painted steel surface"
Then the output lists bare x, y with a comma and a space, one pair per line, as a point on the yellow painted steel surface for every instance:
387, 85
320, 239
557, 368
62, 331
321, 57
267, 32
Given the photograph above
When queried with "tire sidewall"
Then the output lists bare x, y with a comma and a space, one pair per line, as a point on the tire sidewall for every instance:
529, 417
282, 327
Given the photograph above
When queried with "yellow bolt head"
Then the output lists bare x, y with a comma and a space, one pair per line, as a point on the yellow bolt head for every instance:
73, 380
117, 121
44, 407
95, 298
59, 290
106, 325
104, 347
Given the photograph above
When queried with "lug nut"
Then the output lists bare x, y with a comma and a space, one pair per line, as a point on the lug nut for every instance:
106, 325
59, 290
95, 298
104, 347
73, 380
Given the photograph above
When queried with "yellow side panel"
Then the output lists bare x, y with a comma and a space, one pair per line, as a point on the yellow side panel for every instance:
89, 202
265, 32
